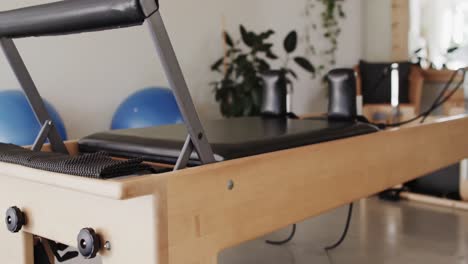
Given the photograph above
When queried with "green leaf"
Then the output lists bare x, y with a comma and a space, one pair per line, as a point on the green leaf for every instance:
271, 55
341, 12
267, 34
217, 64
293, 73
305, 64
452, 49
265, 47
247, 37
228, 39
418, 51
262, 65
229, 71
290, 43
234, 51
242, 29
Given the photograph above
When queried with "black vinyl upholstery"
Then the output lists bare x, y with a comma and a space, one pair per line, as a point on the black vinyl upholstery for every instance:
70, 16
229, 138
342, 94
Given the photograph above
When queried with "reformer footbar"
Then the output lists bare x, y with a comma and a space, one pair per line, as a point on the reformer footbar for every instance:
76, 16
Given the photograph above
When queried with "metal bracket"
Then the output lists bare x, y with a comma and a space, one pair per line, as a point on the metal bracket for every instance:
42, 137
185, 154
149, 7
197, 139
55, 248
47, 251
33, 96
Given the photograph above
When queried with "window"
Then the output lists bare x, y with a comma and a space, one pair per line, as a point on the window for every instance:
438, 35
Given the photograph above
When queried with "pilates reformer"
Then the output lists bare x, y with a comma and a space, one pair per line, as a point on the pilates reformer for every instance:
279, 173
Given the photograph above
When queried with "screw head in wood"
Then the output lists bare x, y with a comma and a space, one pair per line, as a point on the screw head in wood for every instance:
230, 185
108, 245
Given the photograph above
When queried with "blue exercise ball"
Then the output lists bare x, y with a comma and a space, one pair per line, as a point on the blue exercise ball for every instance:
149, 107
18, 124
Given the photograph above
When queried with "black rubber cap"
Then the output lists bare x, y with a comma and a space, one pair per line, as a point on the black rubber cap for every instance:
89, 243
15, 219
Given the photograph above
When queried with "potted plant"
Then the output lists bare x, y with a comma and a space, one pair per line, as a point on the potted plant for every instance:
246, 69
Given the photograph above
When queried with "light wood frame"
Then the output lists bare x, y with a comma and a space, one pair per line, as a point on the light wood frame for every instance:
400, 30
191, 215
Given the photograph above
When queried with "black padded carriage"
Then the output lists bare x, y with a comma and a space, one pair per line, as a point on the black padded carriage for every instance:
229, 138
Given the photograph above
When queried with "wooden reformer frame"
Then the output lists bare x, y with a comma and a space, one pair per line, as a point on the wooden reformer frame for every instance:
190, 215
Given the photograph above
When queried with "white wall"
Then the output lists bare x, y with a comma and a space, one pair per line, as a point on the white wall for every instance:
377, 30
86, 76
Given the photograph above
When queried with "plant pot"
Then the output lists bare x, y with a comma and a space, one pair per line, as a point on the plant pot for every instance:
274, 94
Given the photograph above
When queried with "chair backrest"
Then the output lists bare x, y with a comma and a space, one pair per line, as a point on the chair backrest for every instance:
416, 84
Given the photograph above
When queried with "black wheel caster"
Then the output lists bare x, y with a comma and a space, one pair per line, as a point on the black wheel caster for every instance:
89, 243
392, 195
15, 219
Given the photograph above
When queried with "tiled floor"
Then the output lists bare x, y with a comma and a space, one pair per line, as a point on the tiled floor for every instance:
381, 232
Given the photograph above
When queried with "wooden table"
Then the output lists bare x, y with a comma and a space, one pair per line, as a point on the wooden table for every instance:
191, 215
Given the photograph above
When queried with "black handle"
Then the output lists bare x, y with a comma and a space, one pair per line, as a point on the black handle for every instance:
15, 219
71, 16
89, 243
